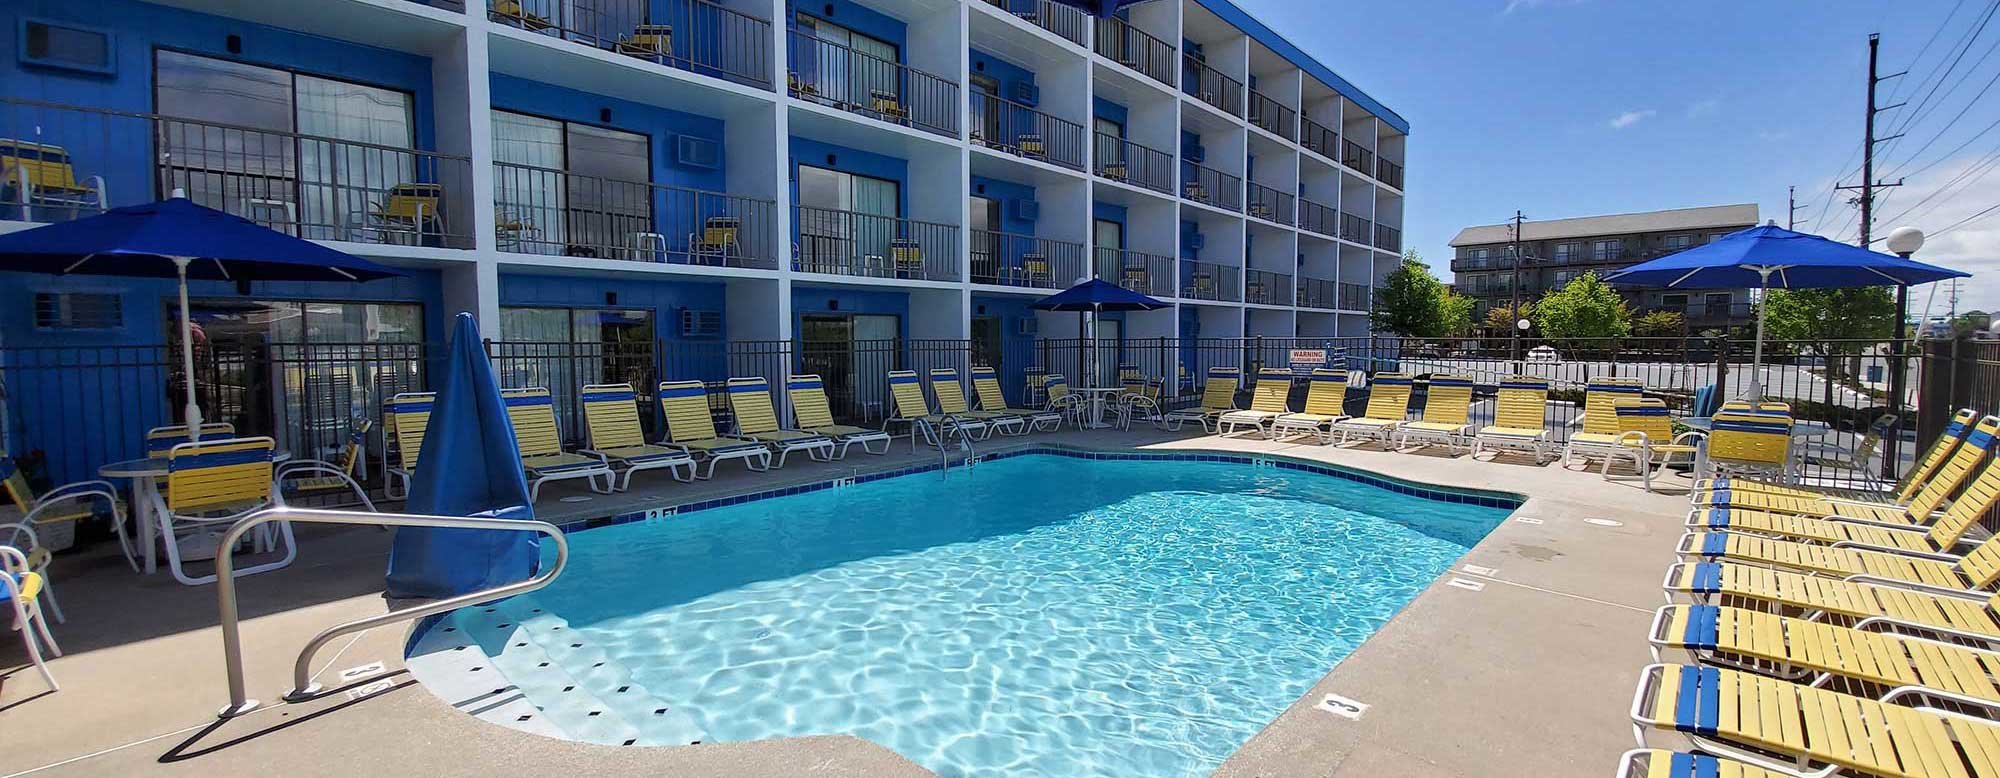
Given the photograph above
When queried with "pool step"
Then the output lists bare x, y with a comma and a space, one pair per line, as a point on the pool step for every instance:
608, 679
445, 660
521, 662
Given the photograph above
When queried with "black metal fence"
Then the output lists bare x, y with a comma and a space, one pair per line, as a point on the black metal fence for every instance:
852, 80
1005, 125
1358, 157
546, 211
1271, 115
1132, 47
852, 243
1121, 160
1354, 228
1317, 218
1067, 21
1209, 186
1319, 138
1211, 86
1269, 204
693, 35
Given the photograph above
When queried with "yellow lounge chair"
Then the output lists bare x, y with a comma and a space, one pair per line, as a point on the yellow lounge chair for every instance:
1747, 443
1447, 414
756, 419
160, 440
1661, 763
1520, 418
1326, 403
1268, 401
533, 412
950, 396
986, 385
23, 589
315, 477
811, 413
906, 394
1818, 653
1645, 432
1943, 482
1979, 497
1388, 405
1218, 396
691, 428
1974, 571
611, 417
1807, 731
407, 415
1857, 604
1598, 433
210, 485
1941, 449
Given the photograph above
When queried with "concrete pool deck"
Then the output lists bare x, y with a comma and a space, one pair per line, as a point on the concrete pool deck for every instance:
1557, 630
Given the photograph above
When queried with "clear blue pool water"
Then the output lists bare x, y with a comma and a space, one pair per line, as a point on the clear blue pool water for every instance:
1037, 616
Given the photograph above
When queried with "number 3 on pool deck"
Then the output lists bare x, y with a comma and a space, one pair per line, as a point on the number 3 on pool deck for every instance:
1343, 707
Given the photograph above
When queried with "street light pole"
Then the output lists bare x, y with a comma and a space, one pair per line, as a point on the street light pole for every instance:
1514, 281
1904, 241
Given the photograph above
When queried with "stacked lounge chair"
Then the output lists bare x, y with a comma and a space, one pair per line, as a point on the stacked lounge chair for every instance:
1326, 400
691, 428
1388, 405
756, 419
950, 396
810, 412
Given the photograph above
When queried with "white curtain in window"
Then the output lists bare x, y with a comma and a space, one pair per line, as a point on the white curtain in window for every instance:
341, 183
876, 198
527, 186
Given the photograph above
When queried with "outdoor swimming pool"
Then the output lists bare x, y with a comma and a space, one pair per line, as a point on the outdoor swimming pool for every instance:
1038, 615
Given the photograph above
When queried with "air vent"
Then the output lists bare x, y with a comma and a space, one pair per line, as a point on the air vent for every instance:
694, 151
700, 324
1030, 325
1026, 210
1027, 93
78, 311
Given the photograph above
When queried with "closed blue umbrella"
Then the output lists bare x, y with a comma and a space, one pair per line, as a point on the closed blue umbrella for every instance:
176, 238
471, 467
1772, 257
1094, 297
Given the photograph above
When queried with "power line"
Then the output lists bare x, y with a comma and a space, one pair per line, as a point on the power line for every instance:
1969, 176
1910, 117
1954, 119
1961, 222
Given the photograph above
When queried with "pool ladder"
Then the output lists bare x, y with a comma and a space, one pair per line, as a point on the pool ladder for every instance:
949, 424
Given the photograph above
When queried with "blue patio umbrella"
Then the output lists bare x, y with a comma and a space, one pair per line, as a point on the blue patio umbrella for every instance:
1094, 297
1772, 257
471, 466
176, 238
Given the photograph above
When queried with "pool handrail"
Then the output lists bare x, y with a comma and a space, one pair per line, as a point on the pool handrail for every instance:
302, 686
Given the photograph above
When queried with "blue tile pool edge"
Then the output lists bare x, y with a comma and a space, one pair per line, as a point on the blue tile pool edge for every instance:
1464, 496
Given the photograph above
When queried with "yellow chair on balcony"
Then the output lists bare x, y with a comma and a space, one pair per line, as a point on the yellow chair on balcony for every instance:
1031, 145
886, 105
1195, 191
1115, 171
409, 210
39, 175
649, 41
909, 256
1035, 268
511, 12
719, 235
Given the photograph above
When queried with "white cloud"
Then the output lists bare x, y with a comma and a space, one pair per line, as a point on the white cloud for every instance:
1703, 107
1773, 134
1518, 5
1630, 118
1973, 247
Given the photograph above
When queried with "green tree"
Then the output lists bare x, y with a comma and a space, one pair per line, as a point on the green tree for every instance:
1501, 318
1409, 301
1454, 314
1834, 323
1659, 324
1583, 308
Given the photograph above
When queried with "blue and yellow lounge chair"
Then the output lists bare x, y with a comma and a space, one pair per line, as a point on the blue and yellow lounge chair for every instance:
1943, 482
1940, 451
691, 428
1979, 497
23, 588
1268, 401
1520, 418
315, 477
406, 416
986, 385
1819, 653
1741, 443
210, 485
1597, 433
1802, 730
1218, 396
160, 440
950, 396
1661, 763
1326, 403
533, 412
757, 419
906, 393
1388, 406
611, 416
1857, 604
1975, 571
811, 413
1645, 431
1447, 415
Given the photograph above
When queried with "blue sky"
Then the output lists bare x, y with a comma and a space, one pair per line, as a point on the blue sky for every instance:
1577, 107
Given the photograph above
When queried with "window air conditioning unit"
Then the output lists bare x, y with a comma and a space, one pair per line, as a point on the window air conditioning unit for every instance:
693, 151
1026, 210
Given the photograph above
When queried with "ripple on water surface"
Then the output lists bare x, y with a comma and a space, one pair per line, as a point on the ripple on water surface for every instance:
1038, 616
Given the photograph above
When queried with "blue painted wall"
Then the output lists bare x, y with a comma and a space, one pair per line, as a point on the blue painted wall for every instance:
813, 153
814, 300
856, 17
1017, 351
1107, 109
1006, 192
664, 299
1007, 73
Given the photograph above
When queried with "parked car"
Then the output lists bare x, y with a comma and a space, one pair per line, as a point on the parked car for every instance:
1544, 354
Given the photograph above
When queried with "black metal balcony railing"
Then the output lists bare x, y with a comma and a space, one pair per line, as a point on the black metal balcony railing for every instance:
1150, 274
1388, 238
1002, 124
850, 243
1269, 204
1132, 47
1007, 259
1067, 21
1211, 86
1703, 312
1209, 186
1119, 159
1389, 173
545, 211
1317, 293
1317, 218
1271, 115
1264, 287
1210, 281
1319, 138
1358, 157
1355, 297
87, 160
1354, 228
830, 74
693, 35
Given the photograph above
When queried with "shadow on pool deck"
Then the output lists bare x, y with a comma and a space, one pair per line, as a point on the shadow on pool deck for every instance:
143, 674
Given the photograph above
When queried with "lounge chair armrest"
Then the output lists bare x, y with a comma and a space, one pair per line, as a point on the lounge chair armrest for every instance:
79, 491
1695, 435
1898, 583
1989, 706
287, 468
1907, 629
1859, 546
1912, 528
1625, 436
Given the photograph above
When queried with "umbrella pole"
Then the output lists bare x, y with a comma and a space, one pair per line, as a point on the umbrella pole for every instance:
1757, 358
192, 411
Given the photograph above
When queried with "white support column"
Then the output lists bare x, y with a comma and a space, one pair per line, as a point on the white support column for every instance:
463, 103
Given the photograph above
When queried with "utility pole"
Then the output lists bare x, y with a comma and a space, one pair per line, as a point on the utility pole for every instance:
1792, 208
1514, 256
1868, 183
